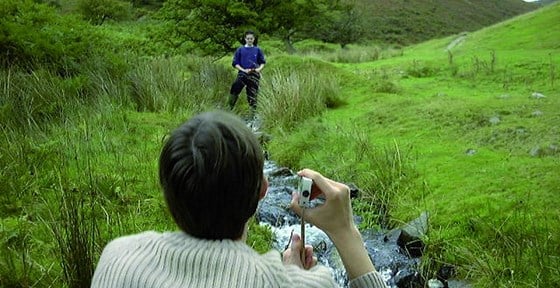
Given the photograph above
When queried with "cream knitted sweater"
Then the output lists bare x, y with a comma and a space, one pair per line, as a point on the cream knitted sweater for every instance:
175, 259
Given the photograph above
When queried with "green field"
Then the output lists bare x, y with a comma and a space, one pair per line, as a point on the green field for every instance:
470, 134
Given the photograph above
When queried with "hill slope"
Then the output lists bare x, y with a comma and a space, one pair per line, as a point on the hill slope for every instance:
485, 148
407, 22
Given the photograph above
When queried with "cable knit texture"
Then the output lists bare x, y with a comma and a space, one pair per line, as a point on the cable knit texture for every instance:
175, 259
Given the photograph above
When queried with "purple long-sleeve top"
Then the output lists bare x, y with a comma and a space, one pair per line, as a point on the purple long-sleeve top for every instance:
248, 57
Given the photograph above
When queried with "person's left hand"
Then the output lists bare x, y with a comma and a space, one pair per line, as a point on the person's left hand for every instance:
292, 255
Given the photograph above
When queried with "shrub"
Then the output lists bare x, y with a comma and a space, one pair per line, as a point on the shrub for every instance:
97, 11
421, 70
33, 35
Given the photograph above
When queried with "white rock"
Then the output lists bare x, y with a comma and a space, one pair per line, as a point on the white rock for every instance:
538, 95
434, 283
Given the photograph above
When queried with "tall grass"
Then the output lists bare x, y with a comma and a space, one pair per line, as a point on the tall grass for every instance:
349, 54
288, 97
383, 173
514, 253
76, 232
172, 84
79, 162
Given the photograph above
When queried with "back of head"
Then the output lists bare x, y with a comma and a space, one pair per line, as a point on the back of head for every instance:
211, 172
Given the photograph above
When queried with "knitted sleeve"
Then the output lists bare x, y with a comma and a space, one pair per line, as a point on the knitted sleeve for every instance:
369, 280
319, 276
293, 276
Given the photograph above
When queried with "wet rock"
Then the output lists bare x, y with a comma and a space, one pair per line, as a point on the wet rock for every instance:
392, 260
281, 172
434, 283
410, 237
446, 272
407, 278
274, 210
458, 284
354, 190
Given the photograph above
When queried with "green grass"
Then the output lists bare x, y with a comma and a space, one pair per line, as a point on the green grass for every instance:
493, 213
415, 129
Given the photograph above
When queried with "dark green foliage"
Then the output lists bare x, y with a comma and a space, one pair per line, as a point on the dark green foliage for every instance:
34, 34
97, 11
147, 3
342, 25
16, 267
421, 70
216, 27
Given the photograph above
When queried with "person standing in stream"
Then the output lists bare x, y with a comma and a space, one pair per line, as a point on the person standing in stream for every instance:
249, 60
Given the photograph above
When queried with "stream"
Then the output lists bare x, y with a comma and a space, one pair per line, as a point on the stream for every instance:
391, 260
395, 253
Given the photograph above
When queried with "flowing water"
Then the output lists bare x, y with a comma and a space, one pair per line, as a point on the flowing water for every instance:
390, 260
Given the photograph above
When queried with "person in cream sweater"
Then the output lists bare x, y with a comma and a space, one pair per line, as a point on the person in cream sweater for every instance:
211, 172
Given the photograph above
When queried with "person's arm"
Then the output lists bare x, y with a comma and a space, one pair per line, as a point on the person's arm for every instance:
237, 60
335, 218
238, 67
258, 69
260, 60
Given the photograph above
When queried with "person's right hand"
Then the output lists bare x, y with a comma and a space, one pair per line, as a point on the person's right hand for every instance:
335, 215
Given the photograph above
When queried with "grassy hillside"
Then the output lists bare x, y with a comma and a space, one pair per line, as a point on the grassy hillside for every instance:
485, 150
408, 22
449, 126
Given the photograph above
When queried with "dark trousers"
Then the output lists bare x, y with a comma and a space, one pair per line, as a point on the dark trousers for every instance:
251, 83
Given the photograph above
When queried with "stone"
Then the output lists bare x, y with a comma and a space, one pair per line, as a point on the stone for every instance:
281, 172
494, 120
470, 151
407, 278
537, 95
458, 284
410, 238
354, 190
434, 283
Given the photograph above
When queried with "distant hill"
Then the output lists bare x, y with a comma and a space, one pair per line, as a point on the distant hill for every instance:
545, 2
411, 21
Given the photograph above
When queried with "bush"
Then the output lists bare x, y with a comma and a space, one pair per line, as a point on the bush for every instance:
97, 11
421, 70
33, 35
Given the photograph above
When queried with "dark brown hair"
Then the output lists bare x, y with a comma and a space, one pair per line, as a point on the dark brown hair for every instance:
211, 172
